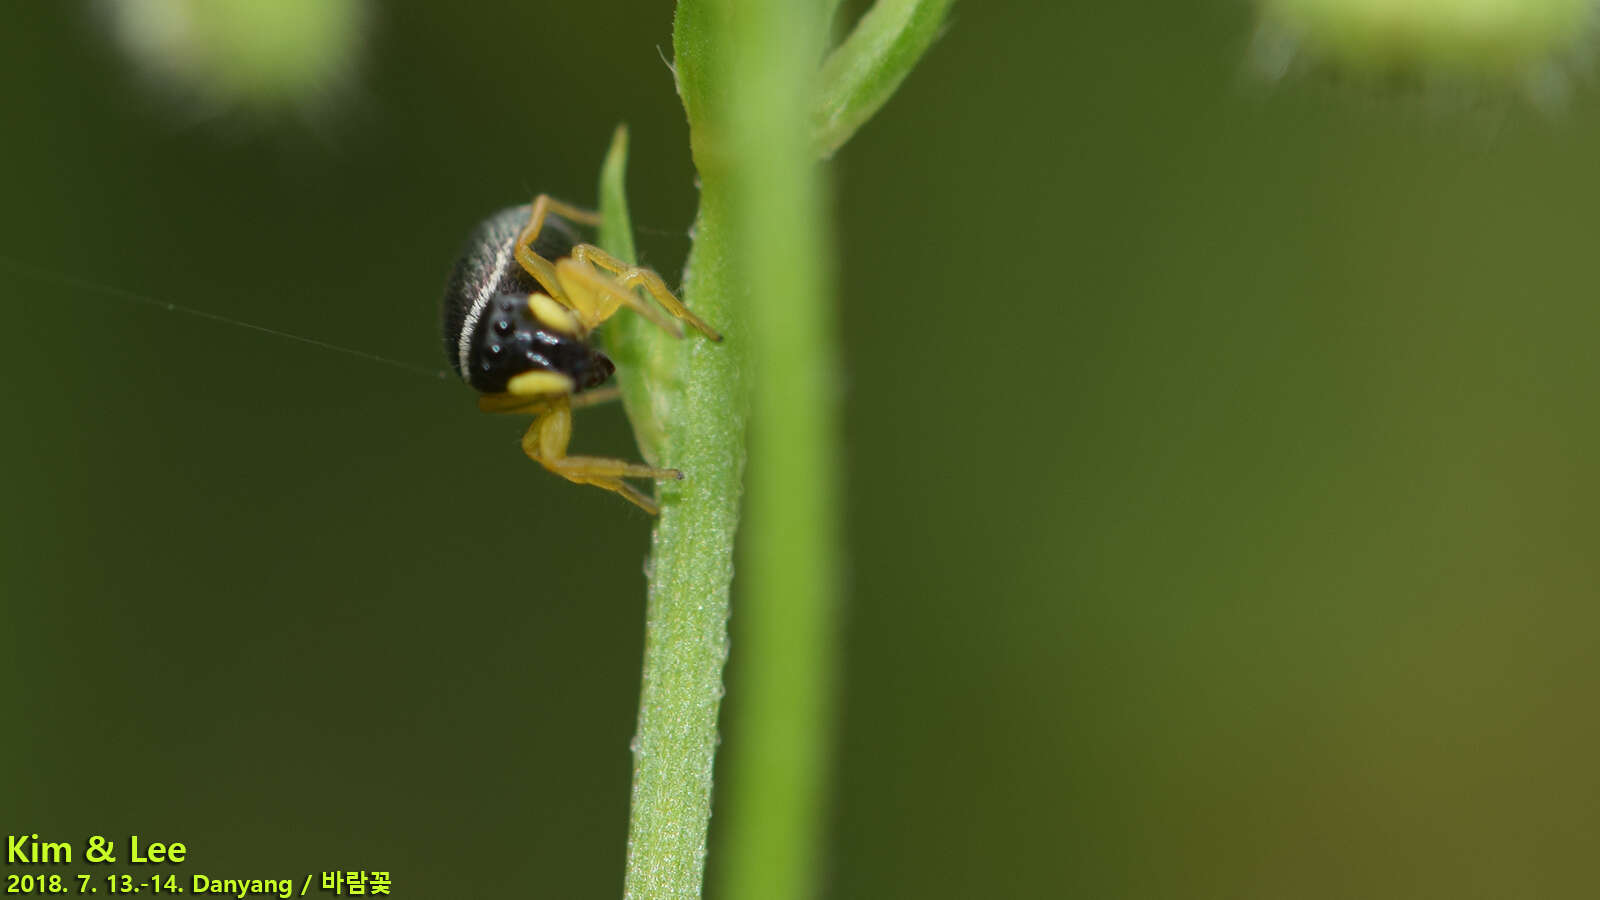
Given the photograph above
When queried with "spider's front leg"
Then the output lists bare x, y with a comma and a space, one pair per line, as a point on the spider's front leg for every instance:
628, 277
543, 270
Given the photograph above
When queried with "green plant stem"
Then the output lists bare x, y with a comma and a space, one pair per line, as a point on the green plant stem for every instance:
774, 784
760, 268
687, 399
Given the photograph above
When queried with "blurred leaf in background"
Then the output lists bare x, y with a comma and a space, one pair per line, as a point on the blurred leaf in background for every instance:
253, 53
1533, 47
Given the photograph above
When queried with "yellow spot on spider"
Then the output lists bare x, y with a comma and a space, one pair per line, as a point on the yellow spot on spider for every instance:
553, 315
532, 384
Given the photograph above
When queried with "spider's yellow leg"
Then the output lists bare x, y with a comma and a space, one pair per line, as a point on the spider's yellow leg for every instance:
567, 211
596, 297
536, 265
546, 443
596, 396
630, 276
513, 403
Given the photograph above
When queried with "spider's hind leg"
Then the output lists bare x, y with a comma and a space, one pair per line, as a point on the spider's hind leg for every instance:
546, 443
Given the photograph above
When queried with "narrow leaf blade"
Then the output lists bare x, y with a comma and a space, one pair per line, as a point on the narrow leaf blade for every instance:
861, 75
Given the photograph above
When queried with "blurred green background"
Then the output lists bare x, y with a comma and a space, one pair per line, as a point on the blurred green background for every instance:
1220, 470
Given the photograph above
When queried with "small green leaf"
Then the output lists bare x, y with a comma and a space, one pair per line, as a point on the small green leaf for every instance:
862, 74
616, 231
628, 338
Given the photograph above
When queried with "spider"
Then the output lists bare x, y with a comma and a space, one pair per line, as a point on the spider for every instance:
522, 302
